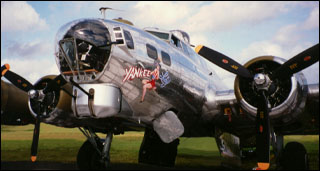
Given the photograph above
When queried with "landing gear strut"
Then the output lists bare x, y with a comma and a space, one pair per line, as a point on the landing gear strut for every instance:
154, 151
94, 153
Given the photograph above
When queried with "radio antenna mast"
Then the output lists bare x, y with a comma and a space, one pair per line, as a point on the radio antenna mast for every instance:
103, 11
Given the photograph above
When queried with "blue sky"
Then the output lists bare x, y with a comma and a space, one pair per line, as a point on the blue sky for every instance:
241, 30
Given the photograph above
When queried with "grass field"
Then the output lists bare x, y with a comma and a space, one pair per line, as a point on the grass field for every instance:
61, 145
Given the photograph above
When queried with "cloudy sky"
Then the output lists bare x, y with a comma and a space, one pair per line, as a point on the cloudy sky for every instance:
240, 30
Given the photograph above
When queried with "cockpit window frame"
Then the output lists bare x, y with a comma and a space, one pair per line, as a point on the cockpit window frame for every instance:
128, 39
65, 56
118, 35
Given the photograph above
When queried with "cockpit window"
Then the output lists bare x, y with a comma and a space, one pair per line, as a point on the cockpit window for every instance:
175, 41
81, 55
129, 39
68, 49
164, 36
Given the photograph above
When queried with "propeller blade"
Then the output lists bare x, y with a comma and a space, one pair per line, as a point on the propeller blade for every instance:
4, 69
35, 140
263, 132
55, 84
298, 63
25, 85
223, 61
16, 79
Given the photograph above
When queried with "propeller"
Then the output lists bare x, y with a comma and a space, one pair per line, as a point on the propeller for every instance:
38, 95
223, 61
15, 79
263, 132
55, 84
263, 84
298, 62
35, 139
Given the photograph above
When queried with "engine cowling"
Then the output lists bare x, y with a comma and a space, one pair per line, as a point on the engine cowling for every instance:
287, 97
14, 106
52, 101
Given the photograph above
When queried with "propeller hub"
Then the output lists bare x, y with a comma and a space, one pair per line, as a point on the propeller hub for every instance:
259, 79
36, 95
33, 94
262, 81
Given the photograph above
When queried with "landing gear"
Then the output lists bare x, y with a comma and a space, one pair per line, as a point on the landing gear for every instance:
294, 157
89, 158
291, 157
154, 151
94, 153
277, 146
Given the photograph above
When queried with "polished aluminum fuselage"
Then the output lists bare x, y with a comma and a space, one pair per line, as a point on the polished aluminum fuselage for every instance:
190, 80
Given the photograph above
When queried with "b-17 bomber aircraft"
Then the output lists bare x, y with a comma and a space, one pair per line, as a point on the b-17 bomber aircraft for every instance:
115, 77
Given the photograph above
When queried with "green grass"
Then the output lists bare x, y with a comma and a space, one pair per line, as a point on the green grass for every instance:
62, 145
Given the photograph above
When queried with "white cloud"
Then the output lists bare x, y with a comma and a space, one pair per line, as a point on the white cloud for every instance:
32, 69
313, 21
198, 39
288, 41
20, 16
219, 16
287, 35
285, 46
159, 14
261, 48
30, 49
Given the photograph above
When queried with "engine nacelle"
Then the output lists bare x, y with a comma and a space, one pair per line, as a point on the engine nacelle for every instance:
52, 101
14, 106
287, 99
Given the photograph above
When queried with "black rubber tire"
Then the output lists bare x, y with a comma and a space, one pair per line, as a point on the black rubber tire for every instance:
88, 158
294, 157
154, 151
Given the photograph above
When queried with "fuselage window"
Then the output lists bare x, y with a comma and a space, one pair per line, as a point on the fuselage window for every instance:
129, 39
166, 58
164, 36
152, 52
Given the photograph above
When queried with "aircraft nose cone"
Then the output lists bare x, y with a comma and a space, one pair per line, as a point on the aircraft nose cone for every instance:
92, 31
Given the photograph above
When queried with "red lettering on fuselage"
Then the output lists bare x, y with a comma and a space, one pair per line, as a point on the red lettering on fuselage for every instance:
135, 72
